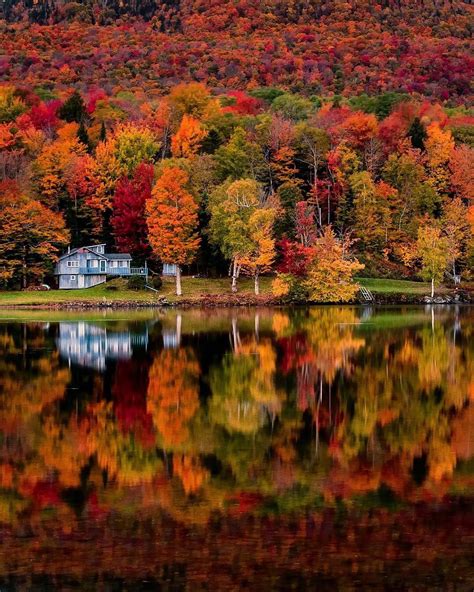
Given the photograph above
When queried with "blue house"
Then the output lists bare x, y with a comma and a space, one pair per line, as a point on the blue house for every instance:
86, 267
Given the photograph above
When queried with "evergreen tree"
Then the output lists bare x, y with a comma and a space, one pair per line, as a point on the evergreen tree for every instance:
103, 133
417, 134
83, 136
73, 109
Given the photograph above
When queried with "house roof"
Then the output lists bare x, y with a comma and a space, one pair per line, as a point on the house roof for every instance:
74, 251
118, 255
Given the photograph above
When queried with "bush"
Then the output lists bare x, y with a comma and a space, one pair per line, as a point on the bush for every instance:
290, 289
156, 282
136, 282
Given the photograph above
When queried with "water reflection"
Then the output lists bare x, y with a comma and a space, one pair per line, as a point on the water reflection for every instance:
86, 344
263, 412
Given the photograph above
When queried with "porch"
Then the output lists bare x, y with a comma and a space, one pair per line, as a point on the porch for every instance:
118, 271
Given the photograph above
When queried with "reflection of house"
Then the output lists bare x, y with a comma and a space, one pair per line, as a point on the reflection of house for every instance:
89, 266
172, 337
88, 345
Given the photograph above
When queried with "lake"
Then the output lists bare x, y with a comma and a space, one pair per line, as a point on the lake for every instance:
325, 448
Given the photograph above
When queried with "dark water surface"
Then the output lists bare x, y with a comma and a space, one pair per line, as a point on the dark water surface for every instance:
311, 449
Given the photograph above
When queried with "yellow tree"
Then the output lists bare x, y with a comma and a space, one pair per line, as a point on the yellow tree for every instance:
457, 229
231, 205
261, 254
190, 99
439, 147
49, 170
432, 249
172, 218
330, 276
371, 210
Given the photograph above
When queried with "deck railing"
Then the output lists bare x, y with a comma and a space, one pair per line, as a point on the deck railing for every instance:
114, 271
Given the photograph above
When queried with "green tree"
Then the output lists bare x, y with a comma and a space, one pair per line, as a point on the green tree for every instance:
231, 206
239, 158
417, 134
293, 107
73, 109
83, 136
134, 145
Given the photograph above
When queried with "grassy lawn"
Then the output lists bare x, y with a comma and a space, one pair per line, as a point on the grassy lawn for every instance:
384, 286
192, 288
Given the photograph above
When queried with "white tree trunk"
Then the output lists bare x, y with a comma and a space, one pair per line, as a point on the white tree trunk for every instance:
234, 276
178, 329
257, 284
432, 287
178, 281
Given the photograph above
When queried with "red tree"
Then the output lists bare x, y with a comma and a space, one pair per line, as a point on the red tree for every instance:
128, 218
295, 257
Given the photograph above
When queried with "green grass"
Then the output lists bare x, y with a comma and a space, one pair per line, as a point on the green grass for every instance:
384, 286
192, 289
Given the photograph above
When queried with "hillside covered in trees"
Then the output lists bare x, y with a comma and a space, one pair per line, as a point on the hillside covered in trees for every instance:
324, 47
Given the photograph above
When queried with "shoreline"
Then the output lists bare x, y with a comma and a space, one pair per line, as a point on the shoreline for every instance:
242, 300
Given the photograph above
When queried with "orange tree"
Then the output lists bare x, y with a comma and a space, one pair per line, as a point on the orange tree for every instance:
30, 239
172, 217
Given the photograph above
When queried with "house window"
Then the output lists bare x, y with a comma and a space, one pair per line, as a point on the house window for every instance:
73, 278
122, 264
94, 263
72, 264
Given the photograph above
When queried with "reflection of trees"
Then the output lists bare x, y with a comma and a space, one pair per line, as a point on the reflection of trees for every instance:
330, 334
173, 394
130, 400
190, 472
243, 387
313, 403
118, 453
400, 401
24, 393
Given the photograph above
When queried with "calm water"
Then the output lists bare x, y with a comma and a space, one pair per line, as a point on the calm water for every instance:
313, 449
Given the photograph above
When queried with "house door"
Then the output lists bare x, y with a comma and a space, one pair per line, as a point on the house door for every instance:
102, 265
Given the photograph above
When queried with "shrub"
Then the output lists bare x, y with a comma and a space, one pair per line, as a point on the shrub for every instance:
156, 282
289, 288
136, 282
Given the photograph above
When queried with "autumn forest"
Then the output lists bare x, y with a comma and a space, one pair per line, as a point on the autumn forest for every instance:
208, 136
